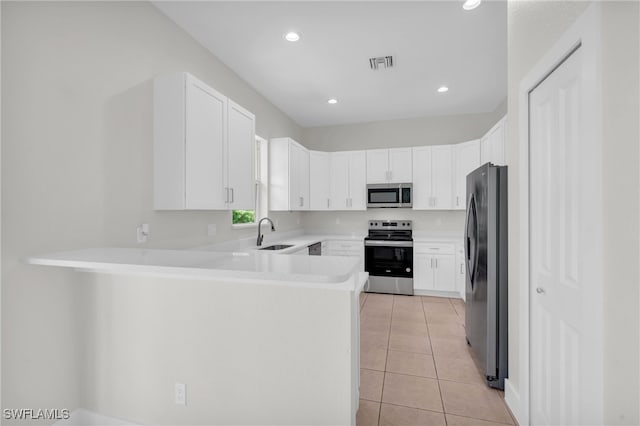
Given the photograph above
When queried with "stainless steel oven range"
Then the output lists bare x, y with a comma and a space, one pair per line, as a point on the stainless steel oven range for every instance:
388, 257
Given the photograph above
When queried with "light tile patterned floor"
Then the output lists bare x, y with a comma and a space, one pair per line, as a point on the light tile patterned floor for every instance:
416, 368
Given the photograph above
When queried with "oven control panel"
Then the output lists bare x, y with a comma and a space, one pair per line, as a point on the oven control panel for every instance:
395, 225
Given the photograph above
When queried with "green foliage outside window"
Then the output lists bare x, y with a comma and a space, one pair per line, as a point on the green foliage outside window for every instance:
243, 216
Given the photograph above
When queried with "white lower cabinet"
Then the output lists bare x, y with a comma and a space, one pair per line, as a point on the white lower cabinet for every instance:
434, 266
344, 248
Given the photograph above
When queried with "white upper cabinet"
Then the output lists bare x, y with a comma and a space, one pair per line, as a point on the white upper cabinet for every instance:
241, 182
467, 159
400, 165
319, 180
492, 145
433, 177
389, 165
288, 175
191, 147
348, 180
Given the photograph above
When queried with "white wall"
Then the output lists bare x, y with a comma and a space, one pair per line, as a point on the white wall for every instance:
389, 134
621, 136
533, 27
77, 168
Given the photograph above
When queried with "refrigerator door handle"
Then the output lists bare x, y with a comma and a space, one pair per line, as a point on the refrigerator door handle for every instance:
471, 258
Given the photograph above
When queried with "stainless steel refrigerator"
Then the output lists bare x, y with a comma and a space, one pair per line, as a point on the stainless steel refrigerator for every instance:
486, 278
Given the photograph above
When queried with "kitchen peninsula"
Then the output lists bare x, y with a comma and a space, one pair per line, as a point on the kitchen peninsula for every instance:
257, 337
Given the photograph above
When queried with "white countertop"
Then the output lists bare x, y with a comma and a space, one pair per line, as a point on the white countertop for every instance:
238, 259
255, 265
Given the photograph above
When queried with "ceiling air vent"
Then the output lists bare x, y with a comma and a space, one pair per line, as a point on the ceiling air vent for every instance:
381, 62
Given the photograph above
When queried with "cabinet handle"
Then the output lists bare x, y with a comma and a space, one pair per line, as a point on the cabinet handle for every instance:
457, 201
461, 269
431, 263
300, 201
328, 202
436, 262
232, 195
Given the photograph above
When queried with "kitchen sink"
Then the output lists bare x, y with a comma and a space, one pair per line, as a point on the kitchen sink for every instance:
277, 247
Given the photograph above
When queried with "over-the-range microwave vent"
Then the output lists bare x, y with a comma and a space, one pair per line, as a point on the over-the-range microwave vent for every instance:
381, 62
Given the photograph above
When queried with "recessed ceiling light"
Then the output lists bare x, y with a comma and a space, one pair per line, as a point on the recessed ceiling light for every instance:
332, 101
471, 4
443, 89
292, 36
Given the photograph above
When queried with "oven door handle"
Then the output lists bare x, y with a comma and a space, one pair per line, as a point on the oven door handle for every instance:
379, 243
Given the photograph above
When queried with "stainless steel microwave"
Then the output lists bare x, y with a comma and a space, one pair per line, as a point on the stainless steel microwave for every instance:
389, 195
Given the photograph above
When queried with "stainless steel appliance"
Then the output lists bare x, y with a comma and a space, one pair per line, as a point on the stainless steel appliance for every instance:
388, 257
315, 249
389, 195
486, 281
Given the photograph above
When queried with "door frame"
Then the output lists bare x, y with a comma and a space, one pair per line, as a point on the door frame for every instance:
585, 34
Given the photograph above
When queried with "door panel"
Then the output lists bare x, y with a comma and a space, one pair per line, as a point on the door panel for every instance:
421, 178
339, 180
557, 293
204, 151
400, 165
240, 158
357, 180
319, 180
442, 174
377, 165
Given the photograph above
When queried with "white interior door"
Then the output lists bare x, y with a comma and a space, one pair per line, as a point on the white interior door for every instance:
560, 278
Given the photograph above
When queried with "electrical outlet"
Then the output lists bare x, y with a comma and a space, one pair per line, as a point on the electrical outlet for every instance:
211, 229
181, 393
142, 232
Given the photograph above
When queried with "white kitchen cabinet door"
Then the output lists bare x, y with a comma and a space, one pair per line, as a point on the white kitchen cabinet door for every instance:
492, 145
288, 175
433, 177
422, 272
377, 165
319, 180
300, 178
348, 180
422, 178
400, 165
205, 118
339, 180
357, 180
442, 177
444, 272
467, 159
241, 144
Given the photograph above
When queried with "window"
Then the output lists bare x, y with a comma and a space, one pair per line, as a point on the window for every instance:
261, 172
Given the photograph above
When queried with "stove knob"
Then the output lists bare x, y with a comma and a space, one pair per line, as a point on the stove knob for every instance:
408, 269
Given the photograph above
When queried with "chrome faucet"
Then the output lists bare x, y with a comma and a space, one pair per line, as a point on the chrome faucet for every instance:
260, 236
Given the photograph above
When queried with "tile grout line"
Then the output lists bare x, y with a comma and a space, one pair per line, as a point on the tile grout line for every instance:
386, 359
435, 366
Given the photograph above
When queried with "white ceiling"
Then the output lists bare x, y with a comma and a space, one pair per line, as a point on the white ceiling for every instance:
433, 43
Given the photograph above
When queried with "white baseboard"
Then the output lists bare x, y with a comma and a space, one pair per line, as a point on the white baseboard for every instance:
512, 398
82, 417
436, 293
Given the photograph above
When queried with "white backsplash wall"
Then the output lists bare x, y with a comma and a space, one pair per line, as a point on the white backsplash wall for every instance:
356, 222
